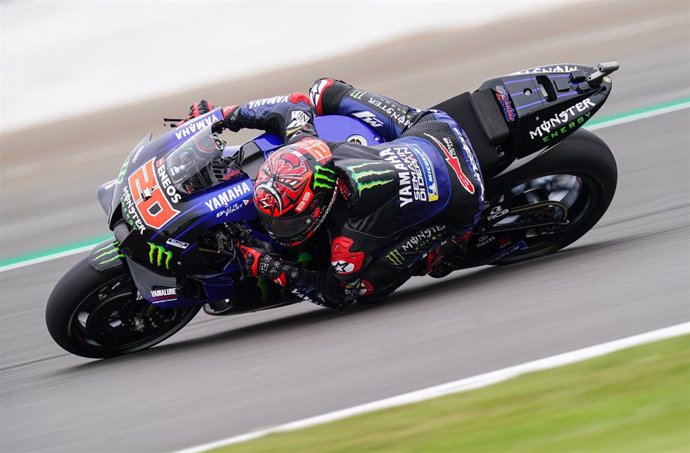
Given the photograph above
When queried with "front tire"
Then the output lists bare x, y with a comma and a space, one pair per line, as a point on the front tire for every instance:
99, 314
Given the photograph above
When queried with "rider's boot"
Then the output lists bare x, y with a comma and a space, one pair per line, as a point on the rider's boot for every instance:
448, 257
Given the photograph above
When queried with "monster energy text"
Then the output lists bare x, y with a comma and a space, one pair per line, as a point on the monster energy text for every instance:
422, 239
366, 176
159, 256
324, 177
567, 118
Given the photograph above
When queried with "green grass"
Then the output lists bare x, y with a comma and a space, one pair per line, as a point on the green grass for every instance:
636, 400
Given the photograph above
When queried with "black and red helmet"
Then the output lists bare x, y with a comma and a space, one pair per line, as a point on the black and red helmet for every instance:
295, 189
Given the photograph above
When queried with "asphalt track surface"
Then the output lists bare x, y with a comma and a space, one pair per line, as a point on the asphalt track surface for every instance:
224, 376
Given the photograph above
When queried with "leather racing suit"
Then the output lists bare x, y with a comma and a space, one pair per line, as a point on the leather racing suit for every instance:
401, 202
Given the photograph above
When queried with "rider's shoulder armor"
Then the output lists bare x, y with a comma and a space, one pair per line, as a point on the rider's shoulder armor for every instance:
371, 188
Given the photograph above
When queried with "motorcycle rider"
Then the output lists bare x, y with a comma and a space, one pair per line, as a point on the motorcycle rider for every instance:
391, 210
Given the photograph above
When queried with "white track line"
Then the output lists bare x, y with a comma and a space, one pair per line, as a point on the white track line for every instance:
462, 385
602, 125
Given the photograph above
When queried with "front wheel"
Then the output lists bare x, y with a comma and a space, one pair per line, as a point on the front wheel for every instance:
101, 314
578, 175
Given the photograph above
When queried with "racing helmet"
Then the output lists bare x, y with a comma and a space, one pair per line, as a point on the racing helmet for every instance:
295, 189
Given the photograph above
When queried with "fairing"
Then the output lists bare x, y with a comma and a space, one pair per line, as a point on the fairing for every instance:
158, 215
545, 104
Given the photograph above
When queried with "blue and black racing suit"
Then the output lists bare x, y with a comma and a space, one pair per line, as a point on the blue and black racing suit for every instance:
401, 201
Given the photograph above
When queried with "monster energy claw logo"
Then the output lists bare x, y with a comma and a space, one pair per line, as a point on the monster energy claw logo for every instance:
366, 176
158, 256
395, 258
108, 253
324, 177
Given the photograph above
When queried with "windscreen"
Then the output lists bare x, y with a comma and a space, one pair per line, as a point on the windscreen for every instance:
191, 164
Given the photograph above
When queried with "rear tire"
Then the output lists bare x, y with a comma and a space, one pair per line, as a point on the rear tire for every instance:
583, 155
98, 314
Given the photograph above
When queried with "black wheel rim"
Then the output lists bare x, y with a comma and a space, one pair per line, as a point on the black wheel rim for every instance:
114, 318
577, 193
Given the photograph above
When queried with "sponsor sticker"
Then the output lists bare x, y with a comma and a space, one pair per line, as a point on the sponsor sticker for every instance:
267, 101
324, 177
469, 152
484, 240
509, 251
395, 258
394, 111
298, 119
453, 161
419, 241
562, 122
358, 94
159, 256
370, 175
228, 195
549, 68
503, 99
412, 179
230, 209
179, 244
149, 197
161, 295
497, 212
427, 172
422, 239
369, 118
192, 127
316, 90
304, 202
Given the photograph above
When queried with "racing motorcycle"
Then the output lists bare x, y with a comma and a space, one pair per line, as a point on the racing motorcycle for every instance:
181, 203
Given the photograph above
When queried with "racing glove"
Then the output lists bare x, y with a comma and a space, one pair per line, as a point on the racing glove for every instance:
197, 109
231, 116
261, 264
306, 284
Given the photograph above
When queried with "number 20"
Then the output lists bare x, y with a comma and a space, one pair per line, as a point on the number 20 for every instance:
155, 210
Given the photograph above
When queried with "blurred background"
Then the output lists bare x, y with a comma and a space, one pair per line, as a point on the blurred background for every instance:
76, 57
83, 81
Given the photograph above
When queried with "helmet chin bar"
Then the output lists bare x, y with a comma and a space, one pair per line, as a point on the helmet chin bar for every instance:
317, 223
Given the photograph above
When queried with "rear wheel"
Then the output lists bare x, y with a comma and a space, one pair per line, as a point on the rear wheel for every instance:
101, 314
573, 184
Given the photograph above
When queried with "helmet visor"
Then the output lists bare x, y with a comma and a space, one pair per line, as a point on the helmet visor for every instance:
290, 229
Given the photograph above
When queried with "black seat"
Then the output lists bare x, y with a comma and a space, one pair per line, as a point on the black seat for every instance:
480, 117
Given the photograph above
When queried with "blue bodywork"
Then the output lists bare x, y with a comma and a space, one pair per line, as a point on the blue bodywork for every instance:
541, 106
227, 202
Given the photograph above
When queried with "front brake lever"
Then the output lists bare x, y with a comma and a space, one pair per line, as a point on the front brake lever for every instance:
172, 123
